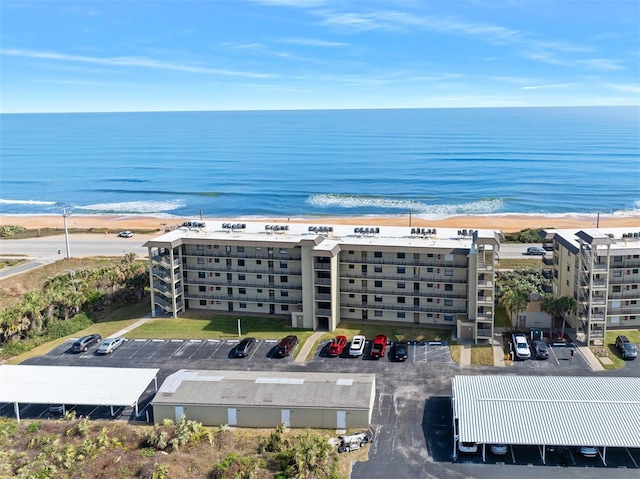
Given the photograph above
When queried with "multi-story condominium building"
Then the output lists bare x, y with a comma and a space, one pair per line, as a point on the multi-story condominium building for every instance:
320, 275
600, 269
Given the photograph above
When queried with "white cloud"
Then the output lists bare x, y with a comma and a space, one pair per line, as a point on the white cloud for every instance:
630, 88
601, 64
312, 42
552, 85
126, 61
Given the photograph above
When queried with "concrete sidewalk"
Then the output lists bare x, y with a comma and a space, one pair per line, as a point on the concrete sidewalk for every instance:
465, 351
307, 346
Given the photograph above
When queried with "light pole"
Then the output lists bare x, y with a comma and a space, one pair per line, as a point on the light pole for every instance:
66, 231
239, 330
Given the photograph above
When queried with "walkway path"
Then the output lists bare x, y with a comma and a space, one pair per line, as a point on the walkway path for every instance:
307, 346
465, 351
140, 322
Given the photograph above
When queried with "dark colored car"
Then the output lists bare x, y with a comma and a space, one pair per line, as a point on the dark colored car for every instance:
85, 342
540, 349
286, 346
534, 250
626, 348
400, 351
244, 347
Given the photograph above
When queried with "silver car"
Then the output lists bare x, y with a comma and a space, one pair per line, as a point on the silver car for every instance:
110, 345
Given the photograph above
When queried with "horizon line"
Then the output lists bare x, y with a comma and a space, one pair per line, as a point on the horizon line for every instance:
317, 109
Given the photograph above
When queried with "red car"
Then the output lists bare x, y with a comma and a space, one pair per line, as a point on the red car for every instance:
379, 346
337, 345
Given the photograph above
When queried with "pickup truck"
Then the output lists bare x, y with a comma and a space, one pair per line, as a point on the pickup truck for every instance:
379, 346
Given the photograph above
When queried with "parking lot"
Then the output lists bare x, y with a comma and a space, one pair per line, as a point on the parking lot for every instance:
412, 413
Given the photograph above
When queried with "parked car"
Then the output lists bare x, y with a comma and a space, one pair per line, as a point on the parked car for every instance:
468, 447
626, 348
379, 346
357, 346
286, 346
499, 449
535, 250
244, 347
83, 344
109, 345
337, 346
540, 349
520, 346
588, 451
400, 351
125, 234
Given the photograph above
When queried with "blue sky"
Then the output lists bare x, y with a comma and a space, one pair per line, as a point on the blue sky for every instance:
135, 55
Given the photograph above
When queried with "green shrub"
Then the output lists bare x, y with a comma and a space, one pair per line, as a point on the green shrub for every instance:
10, 230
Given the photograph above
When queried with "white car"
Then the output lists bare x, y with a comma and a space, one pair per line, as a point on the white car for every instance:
357, 346
125, 234
109, 345
468, 447
499, 449
520, 347
589, 451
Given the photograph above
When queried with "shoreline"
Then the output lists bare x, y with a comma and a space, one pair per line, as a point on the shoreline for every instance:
507, 223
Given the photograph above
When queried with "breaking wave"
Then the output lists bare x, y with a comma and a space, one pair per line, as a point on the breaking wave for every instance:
480, 207
25, 202
133, 207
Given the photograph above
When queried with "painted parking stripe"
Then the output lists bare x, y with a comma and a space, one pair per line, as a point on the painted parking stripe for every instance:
631, 456
217, 343
202, 343
156, 349
179, 348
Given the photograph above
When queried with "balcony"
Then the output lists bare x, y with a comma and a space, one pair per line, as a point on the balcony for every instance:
217, 253
243, 298
484, 300
322, 266
323, 312
402, 307
323, 297
222, 268
402, 277
322, 281
435, 263
485, 266
403, 292
483, 283
242, 284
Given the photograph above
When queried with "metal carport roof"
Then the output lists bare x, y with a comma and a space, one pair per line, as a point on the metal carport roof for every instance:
545, 410
73, 385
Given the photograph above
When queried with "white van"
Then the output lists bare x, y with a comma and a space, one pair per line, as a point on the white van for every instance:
520, 346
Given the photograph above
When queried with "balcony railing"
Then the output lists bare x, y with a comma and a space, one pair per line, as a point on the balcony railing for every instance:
402, 307
241, 284
401, 277
216, 253
406, 262
222, 268
402, 292
243, 298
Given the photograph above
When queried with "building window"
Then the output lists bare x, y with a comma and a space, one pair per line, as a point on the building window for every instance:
241, 277
616, 289
203, 302
283, 250
217, 288
202, 288
352, 266
448, 272
401, 299
429, 285
448, 302
259, 305
429, 255
217, 275
229, 277
200, 247
351, 281
635, 271
258, 261
284, 279
617, 258
240, 262
400, 285
200, 260
258, 248
378, 298
617, 273
283, 265
243, 305
400, 255
227, 249
448, 317
258, 276
377, 254
377, 269
350, 252
378, 284
448, 287
448, 257
401, 315
216, 246
352, 310
240, 249
202, 274
429, 300
284, 307
377, 314
242, 291
284, 294
429, 270
401, 269
217, 260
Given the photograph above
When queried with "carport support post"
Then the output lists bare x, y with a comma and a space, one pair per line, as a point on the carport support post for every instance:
484, 452
544, 450
111, 409
16, 408
604, 455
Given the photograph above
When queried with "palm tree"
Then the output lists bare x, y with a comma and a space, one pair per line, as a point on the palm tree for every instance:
557, 308
514, 301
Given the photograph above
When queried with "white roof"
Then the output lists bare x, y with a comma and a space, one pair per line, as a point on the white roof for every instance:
73, 385
548, 410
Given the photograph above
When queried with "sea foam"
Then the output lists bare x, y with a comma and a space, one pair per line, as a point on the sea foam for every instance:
133, 207
25, 202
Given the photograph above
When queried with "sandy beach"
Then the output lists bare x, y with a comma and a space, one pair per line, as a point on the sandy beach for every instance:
505, 223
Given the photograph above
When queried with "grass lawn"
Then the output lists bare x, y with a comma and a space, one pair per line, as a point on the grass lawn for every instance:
456, 351
610, 349
481, 355
501, 318
511, 263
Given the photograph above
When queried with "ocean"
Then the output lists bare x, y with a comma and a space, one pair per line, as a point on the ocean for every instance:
431, 163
